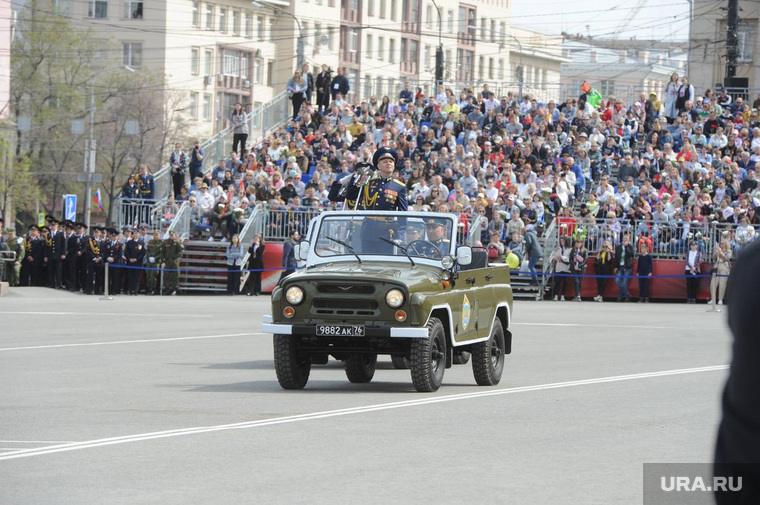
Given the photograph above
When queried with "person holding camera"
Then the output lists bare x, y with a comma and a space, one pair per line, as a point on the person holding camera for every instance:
178, 162
196, 161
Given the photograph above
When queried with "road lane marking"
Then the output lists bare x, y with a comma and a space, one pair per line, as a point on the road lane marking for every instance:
120, 314
636, 326
91, 444
36, 442
143, 341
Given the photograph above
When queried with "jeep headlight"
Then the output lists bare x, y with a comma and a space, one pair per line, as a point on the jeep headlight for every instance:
447, 262
394, 298
294, 295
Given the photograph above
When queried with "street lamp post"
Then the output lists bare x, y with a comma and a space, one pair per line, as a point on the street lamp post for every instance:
300, 45
520, 68
438, 52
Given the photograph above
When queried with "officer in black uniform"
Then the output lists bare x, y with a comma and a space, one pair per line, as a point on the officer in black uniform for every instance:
92, 260
69, 256
134, 252
57, 249
113, 254
33, 259
379, 191
81, 259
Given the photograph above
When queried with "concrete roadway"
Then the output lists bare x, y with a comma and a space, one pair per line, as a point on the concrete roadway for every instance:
174, 400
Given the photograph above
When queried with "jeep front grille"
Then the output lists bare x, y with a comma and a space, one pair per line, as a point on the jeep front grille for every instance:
345, 288
345, 307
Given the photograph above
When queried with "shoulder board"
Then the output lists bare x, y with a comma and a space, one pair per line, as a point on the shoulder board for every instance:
398, 181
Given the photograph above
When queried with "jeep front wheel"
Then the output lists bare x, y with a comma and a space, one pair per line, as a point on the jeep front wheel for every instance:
427, 359
488, 357
360, 368
292, 365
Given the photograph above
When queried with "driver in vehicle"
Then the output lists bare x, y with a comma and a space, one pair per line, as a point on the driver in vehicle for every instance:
413, 233
436, 235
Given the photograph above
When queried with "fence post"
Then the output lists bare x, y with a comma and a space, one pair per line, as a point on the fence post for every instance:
106, 296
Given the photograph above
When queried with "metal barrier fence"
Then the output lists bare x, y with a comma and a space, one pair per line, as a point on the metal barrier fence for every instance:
666, 240
132, 212
182, 222
261, 121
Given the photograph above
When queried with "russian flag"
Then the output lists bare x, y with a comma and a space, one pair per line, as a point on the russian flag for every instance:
97, 200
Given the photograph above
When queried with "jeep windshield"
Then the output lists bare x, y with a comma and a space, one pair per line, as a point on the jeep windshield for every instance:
388, 234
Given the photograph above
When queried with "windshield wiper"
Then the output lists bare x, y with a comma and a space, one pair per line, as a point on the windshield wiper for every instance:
397, 243
350, 249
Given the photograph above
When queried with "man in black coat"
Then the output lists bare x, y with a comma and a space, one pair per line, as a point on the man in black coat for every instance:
69, 257
323, 81
289, 262
738, 448
623, 266
134, 252
339, 85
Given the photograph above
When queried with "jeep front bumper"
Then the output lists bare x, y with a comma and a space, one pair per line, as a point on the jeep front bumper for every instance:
268, 326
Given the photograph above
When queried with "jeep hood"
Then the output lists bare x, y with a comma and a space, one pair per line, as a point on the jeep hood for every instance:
368, 271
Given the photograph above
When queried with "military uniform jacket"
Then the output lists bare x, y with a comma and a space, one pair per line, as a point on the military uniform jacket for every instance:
113, 249
380, 193
16, 245
72, 246
135, 249
35, 248
91, 248
154, 252
170, 252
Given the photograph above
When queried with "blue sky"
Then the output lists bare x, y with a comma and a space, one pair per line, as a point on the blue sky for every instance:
655, 20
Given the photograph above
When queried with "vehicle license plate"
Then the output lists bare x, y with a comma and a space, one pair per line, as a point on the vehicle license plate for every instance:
340, 330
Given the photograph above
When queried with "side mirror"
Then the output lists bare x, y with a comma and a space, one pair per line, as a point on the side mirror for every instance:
464, 255
302, 250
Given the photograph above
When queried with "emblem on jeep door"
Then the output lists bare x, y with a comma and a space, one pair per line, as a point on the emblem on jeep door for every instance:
465, 312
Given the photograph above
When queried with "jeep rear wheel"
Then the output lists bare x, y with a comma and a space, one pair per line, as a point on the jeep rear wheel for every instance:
360, 368
292, 365
400, 362
428, 358
488, 357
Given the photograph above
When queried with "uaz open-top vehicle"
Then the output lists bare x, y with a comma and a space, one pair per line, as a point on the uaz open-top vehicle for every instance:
393, 283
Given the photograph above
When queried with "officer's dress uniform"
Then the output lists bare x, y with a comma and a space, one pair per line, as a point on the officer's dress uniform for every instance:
113, 254
92, 257
378, 193
134, 250
55, 265
70, 263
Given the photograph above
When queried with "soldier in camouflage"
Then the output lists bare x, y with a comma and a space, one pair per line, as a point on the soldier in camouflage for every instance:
170, 253
154, 259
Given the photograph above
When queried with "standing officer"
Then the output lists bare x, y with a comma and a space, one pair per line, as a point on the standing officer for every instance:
379, 192
92, 259
16, 245
134, 253
100, 262
58, 247
172, 249
153, 255
113, 254
69, 256
34, 249
81, 259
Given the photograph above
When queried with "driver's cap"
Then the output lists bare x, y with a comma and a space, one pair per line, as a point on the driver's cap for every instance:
433, 222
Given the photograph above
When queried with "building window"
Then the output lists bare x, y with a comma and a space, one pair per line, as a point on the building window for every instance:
98, 9
270, 73
367, 86
353, 43
206, 107
196, 14
607, 88
353, 79
330, 37
490, 68
133, 9
481, 66
746, 36
429, 16
209, 17
393, 10
462, 20
331, 3
63, 7
248, 25
236, 22
501, 70
391, 50
208, 62
131, 54
222, 20
379, 87
381, 48
317, 35
258, 70
260, 28
193, 106
245, 59
450, 21
426, 58
449, 64
502, 33
492, 33
414, 54
231, 63
195, 60
272, 29
370, 7
368, 52
383, 5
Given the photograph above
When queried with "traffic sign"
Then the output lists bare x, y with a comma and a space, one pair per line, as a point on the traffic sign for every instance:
70, 207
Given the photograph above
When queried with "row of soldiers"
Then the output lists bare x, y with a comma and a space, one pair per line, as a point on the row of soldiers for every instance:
62, 255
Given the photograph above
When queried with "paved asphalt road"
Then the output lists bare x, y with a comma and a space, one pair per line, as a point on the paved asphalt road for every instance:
174, 400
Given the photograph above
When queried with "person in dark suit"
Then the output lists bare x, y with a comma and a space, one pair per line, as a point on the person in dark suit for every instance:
644, 270
33, 258
81, 277
289, 262
738, 443
339, 85
134, 252
255, 262
69, 257
323, 81
56, 248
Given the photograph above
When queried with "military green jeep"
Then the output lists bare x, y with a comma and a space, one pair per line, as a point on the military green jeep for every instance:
390, 283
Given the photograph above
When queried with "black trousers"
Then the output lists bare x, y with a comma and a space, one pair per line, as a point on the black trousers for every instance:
692, 286
133, 279
601, 283
644, 288
560, 284
238, 140
53, 273
197, 170
70, 277
323, 100
233, 281
297, 101
178, 180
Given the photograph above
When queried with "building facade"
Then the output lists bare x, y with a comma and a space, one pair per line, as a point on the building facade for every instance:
707, 59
